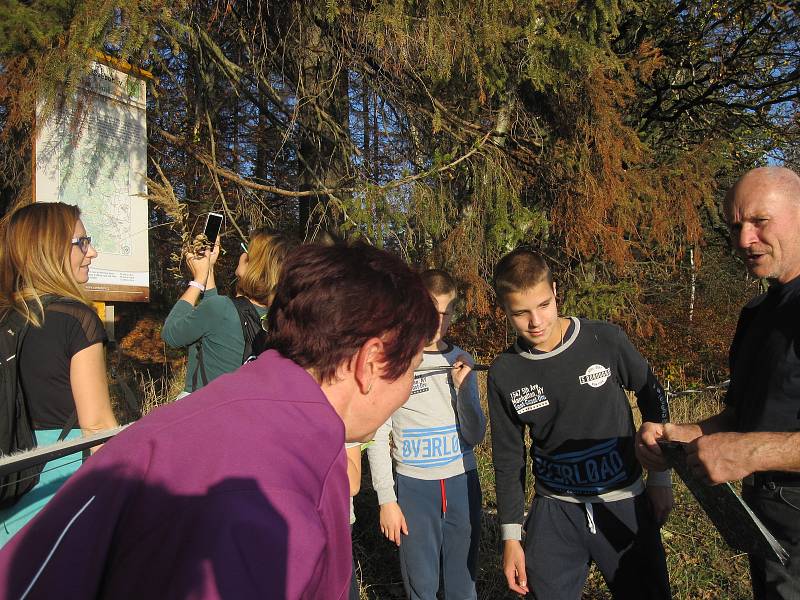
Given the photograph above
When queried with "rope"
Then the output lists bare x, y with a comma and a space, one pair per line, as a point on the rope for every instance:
42, 472
719, 386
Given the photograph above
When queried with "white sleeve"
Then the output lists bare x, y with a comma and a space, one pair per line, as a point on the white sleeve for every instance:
471, 420
380, 464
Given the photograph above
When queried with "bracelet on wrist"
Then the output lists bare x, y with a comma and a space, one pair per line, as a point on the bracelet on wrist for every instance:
198, 285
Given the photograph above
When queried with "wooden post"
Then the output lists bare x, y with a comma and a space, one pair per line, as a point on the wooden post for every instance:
106, 314
108, 321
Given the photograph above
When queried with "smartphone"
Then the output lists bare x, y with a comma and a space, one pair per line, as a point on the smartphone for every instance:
213, 225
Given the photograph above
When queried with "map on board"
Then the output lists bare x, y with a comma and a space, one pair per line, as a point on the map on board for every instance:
93, 154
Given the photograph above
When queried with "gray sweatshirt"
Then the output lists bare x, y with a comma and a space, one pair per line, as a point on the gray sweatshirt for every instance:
434, 432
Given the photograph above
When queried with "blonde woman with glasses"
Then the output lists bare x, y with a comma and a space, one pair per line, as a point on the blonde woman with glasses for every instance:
45, 256
209, 324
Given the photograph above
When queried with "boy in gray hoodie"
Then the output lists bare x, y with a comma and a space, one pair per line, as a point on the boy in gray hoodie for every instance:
432, 511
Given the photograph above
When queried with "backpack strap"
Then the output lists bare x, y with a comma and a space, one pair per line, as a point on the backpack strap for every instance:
119, 381
68, 426
16, 431
200, 368
251, 321
252, 325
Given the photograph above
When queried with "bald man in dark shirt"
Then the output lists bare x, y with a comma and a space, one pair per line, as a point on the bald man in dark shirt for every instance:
756, 437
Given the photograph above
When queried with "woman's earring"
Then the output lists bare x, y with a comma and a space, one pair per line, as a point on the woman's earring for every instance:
369, 389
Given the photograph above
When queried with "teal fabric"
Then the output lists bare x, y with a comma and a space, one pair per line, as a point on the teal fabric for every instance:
215, 321
54, 475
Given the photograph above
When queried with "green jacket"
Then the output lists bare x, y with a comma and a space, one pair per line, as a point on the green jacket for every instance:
215, 324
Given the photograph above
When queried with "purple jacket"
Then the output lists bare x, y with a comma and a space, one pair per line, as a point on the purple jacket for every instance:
237, 491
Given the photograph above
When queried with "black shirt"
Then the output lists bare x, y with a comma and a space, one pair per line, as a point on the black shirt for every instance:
765, 362
47, 351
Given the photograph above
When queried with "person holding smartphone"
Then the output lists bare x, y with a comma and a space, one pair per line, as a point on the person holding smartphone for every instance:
209, 324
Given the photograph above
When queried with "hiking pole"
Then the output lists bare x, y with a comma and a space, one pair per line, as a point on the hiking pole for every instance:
42, 454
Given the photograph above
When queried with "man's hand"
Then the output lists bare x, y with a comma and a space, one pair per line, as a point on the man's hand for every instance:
661, 502
721, 457
514, 566
462, 367
647, 450
393, 523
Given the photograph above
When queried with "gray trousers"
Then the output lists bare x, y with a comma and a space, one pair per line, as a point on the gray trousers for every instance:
621, 537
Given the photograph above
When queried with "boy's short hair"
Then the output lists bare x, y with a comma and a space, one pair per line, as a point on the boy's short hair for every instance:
519, 270
438, 282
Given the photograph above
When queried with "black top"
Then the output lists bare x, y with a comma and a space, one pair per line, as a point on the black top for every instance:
573, 402
765, 362
44, 364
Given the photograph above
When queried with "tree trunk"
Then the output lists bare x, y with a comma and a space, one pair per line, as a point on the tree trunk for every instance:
323, 93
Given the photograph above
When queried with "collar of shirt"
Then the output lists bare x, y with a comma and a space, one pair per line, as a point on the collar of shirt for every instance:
783, 291
567, 335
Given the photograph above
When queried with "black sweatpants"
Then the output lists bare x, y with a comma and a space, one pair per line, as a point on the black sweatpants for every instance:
621, 537
779, 509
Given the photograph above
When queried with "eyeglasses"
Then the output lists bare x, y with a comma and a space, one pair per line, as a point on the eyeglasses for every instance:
83, 243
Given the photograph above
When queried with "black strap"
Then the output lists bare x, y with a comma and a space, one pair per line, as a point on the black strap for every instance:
127, 393
46, 300
252, 323
119, 381
68, 426
201, 367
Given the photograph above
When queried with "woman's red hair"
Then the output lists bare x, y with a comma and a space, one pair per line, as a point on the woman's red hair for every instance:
330, 300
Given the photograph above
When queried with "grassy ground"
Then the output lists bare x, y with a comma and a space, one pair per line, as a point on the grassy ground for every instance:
701, 566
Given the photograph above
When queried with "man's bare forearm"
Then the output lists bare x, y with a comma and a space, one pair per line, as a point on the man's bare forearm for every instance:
772, 451
687, 432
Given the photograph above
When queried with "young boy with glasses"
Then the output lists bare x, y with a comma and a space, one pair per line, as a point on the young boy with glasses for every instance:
432, 510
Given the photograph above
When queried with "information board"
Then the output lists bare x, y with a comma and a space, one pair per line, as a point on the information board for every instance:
93, 153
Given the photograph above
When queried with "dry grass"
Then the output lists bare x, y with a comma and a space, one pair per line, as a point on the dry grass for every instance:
701, 566
161, 390
145, 391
